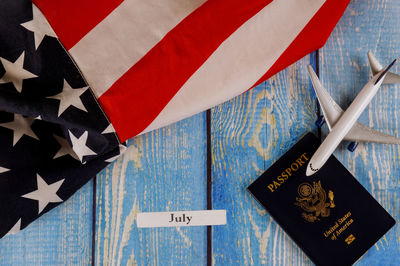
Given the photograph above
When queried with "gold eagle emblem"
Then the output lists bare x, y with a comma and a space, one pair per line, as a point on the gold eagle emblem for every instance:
313, 200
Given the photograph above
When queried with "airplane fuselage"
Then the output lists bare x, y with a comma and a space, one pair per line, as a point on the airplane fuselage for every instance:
344, 124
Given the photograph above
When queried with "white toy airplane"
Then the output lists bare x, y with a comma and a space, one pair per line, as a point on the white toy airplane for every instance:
344, 125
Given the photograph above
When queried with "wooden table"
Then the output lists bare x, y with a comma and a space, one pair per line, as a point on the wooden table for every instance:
208, 160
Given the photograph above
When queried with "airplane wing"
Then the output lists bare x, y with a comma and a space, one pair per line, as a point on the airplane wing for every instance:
332, 112
330, 109
359, 132
376, 67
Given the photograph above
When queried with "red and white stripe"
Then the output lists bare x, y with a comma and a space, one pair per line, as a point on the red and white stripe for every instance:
154, 62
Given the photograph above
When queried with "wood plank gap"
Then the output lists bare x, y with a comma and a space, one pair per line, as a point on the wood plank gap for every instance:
209, 186
94, 220
318, 107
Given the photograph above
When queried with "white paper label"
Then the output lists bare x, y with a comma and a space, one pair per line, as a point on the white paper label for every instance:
181, 218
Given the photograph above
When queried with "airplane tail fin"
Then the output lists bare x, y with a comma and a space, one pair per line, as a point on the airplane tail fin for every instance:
376, 67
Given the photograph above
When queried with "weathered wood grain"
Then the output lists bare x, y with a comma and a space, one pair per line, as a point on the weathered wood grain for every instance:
162, 170
60, 237
166, 169
249, 133
344, 69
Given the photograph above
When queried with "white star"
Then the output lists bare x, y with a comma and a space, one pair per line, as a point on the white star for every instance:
21, 126
79, 145
15, 72
39, 26
69, 97
3, 170
15, 229
109, 129
45, 193
122, 149
65, 148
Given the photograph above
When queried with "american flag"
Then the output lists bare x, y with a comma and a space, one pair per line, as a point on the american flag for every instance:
78, 78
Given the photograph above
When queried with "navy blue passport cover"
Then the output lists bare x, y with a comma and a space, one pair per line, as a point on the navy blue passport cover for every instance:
329, 215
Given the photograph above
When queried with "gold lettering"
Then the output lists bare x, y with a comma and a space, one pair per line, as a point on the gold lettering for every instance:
335, 231
341, 220
330, 230
299, 161
289, 171
294, 169
295, 166
344, 227
276, 184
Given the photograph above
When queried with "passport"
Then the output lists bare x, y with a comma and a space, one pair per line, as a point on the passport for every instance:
329, 215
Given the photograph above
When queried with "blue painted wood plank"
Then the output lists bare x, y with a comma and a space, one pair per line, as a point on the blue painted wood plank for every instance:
62, 236
249, 133
164, 170
369, 25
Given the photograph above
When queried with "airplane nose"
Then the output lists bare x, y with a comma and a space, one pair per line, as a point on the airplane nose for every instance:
309, 171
